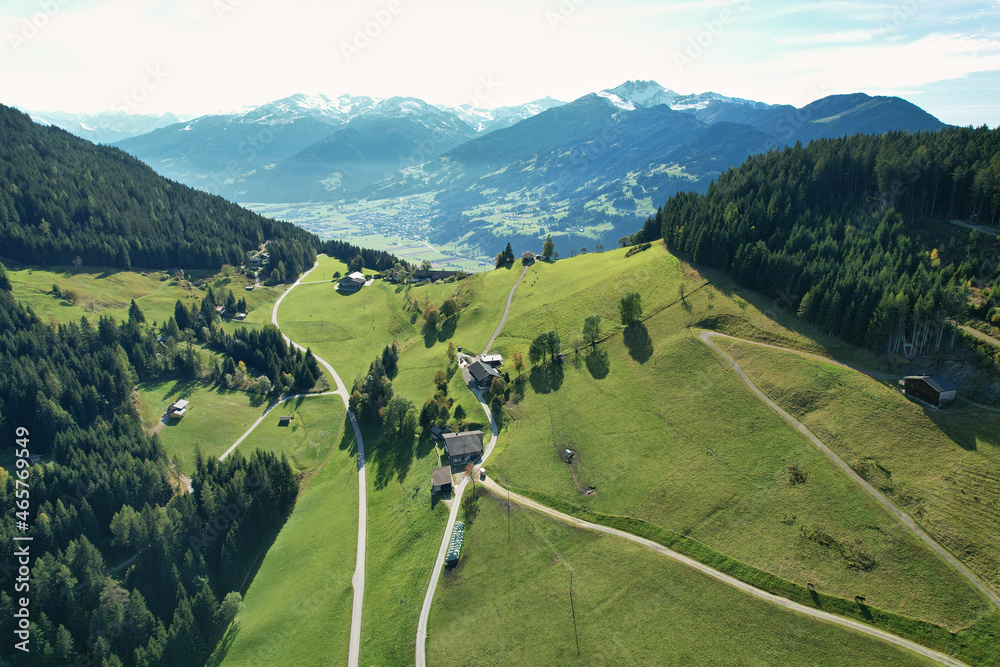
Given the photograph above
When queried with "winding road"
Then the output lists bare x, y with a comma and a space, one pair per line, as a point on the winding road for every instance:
706, 337
358, 580
456, 500
901, 516
502, 491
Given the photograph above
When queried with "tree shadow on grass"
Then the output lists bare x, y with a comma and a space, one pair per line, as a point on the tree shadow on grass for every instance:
598, 363
440, 334
391, 460
638, 342
546, 377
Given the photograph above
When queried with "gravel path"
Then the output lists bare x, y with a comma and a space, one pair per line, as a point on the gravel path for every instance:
901, 516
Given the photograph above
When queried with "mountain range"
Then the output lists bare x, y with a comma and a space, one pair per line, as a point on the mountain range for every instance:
590, 167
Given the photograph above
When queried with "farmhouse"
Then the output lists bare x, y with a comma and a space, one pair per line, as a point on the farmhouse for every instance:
441, 480
431, 276
528, 257
933, 389
462, 448
482, 374
494, 360
178, 409
352, 282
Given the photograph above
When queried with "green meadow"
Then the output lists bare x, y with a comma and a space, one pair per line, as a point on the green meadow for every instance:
507, 602
664, 433
298, 605
942, 466
218, 417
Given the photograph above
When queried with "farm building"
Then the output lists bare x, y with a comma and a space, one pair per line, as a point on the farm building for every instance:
494, 360
437, 431
178, 409
528, 257
431, 275
482, 374
285, 420
933, 389
441, 480
352, 282
463, 448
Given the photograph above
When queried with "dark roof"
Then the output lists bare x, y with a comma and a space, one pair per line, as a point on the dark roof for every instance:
466, 442
436, 431
480, 371
441, 476
434, 274
938, 383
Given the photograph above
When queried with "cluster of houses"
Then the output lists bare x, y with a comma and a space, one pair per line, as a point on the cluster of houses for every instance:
465, 447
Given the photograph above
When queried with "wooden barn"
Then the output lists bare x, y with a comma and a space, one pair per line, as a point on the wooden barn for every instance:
441, 480
933, 389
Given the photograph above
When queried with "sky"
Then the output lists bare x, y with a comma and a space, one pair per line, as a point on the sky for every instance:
193, 57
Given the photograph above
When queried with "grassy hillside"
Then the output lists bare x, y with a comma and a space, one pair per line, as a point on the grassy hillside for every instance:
219, 416
943, 467
298, 605
665, 434
509, 598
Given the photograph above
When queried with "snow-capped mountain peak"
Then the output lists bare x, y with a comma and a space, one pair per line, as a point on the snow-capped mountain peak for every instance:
640, 94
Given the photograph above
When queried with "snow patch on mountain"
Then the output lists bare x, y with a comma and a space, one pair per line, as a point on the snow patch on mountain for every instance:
624, 105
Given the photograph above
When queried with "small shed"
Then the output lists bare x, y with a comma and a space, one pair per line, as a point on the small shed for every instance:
441, 480
284, 420
933, 389
178, 409
494, 360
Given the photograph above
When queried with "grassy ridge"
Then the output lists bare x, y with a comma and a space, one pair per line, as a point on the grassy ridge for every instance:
943, 467
666, 434
507, 602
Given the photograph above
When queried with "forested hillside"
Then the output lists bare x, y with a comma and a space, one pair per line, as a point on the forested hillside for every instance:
856, 232
63, 198
124, 570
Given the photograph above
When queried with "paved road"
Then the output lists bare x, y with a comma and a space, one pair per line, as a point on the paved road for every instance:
725, 578
503, 320
358, 581
456, 501
900, 515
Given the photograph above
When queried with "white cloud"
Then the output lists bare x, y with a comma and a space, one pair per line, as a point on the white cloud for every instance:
840, 37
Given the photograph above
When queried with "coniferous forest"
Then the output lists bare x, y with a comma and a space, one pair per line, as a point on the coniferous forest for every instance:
128, 570
856, 232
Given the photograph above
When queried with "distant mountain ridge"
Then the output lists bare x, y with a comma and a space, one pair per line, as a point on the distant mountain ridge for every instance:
104, 127
604, 160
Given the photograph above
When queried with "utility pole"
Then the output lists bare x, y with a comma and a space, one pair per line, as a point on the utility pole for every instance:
572, 607
508, 513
